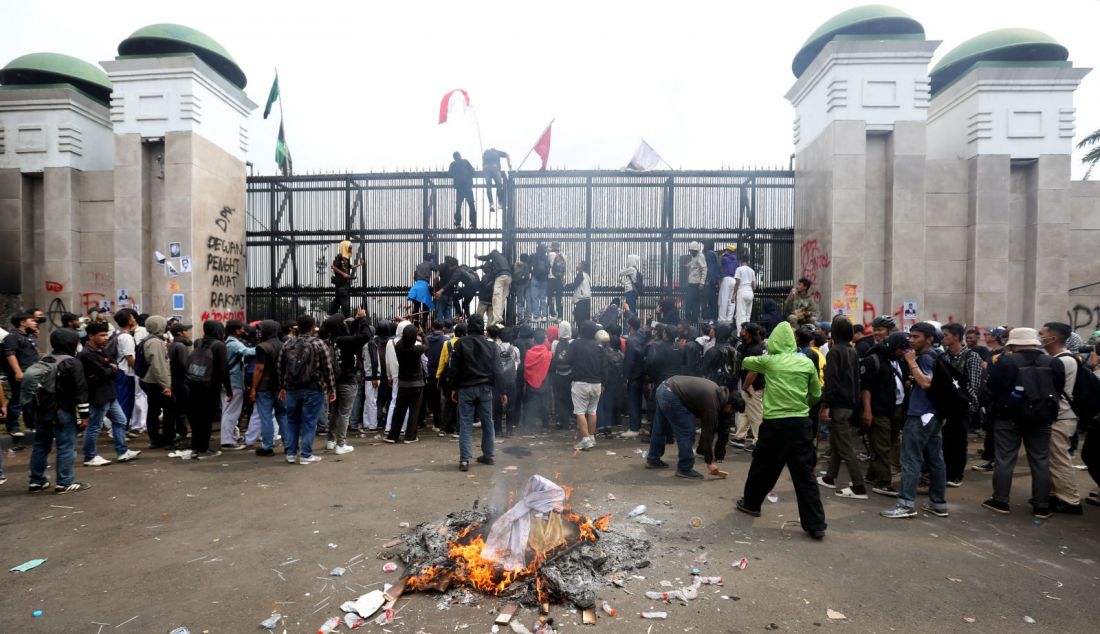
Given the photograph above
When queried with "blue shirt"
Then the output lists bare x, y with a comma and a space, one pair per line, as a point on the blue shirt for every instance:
238, 352
920, 402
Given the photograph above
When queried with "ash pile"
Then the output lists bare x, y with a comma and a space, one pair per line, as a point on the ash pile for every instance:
536, 553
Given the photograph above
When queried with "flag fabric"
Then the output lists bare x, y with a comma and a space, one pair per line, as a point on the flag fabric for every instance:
272, 96
645, 158
445, 105
282, 154
542, 147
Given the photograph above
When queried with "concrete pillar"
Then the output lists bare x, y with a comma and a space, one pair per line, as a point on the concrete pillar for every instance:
905, 252
1048, 241
988, 267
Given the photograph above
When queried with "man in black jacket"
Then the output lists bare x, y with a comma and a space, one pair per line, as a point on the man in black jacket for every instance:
588, 362
839, 398
264, 391
178, 352
99, 373
203, 393
462, 176
883, 381
634, 369
56, 415
472, 373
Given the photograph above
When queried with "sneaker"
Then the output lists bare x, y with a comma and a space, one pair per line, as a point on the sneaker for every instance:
746, 510
35, 488
184, 454
899, 512
1041, 512
464, 465
17, 434
847, 492
292, 458
71, 488
818, 535
751, 447
984, 467
97, 461
995, 506
266, 453
309, 459
888, 491
581, 444
131, 435
590, 442
828, 483
389, 440
629, 434
690, 475
409, 442
129, 455
928, 508
343, 449
206, 455
3, 480
236, 447
485, 460
1058, 506
442, 434
954, 484
454, 435
660, 464
740, 444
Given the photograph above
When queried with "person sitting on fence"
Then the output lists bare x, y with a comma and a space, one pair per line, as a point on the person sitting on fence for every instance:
490, 162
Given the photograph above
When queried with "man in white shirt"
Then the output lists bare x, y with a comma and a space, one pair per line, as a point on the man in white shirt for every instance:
744, 282
1064, 495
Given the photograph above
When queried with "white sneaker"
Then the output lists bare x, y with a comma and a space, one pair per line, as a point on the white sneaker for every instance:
590, 442
330, 445
309, 459
292, 458
130, 455
98, 461
629, 434
847, 492
343, 449
581, 444
183, 454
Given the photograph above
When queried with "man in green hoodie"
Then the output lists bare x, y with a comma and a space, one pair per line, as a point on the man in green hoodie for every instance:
786, 435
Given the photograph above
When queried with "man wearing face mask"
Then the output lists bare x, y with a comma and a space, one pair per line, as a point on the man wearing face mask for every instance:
20, 352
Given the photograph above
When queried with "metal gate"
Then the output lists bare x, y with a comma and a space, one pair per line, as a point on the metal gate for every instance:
599, 216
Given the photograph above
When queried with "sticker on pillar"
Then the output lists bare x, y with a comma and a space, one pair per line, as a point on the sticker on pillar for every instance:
909, 311
105, 305
851, 301
123, 297
173, 287
175, 249
177, 301
838, 307
185, 264
171, 268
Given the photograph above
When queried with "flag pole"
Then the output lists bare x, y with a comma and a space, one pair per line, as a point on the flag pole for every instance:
477, 124
282, 122
536, 143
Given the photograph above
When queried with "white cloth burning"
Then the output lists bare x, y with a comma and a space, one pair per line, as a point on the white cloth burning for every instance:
507, 542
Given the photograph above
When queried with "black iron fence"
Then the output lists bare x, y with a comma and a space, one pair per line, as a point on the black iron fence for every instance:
294, 224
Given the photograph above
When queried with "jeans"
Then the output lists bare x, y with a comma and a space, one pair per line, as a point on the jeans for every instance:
118, 428
1008, 437
536, 299
634, 391
476, 398
922, 444
554, 288
786, 442
444, 306
673, 417
14, 409
303, 408
271, 410
370, 405
493, 179
124, 389
519, 292
842, 444
632, 300
338, 428
61, 429
607, 411
465, 194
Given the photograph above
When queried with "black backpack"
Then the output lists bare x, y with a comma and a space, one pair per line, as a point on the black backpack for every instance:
141, 364
1034, 401
561, 365
558, 267
1084, 397
111, 349
301, 364
948, 391
200, 364
541, 267
521, 274
639, 286
506, 366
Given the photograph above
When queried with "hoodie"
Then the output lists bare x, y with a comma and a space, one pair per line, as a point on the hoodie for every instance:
267, 354
237, 352
793, 384
155, 350
711, 366
537, 365
99, 375
771, 317
71, 389
696, 265
628, 275
213, 337
178, 351
392, 365
586, 358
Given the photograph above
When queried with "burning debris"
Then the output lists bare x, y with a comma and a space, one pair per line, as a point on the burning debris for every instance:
539, 551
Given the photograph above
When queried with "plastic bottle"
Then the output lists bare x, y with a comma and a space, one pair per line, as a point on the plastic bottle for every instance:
271, 622
329, 625
1016, 397
653, 595
638, 510
607, 608
654, 615
710, 581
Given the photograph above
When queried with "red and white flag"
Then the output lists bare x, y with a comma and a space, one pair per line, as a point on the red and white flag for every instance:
542, 147
445, 105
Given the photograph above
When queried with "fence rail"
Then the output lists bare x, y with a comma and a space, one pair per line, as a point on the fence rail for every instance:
600, 216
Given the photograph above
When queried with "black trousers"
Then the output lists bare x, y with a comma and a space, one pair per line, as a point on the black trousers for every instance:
408, 400
954, 446
179, 397
786, 442
202, 410
1090, 453
553, 296
161, 417
563, 400
465, 194
582, 311
433, 401
449, 422
692, 296
538, 407
721, 437
341, 302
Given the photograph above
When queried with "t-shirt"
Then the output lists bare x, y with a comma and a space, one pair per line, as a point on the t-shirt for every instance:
747, 277
920, 403
344, 265
462, 173
490, 160
126, 348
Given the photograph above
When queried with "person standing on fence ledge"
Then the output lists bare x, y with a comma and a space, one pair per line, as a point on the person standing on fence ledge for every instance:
696, 281
727, 261
490, 162
556, 283
462, 175
342, 273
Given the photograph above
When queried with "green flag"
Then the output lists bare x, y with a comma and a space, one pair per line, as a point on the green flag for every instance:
272, 96
282, 154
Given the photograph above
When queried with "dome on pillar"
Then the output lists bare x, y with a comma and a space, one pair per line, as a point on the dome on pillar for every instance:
1021, 46
37, 69
168, 39
866, 22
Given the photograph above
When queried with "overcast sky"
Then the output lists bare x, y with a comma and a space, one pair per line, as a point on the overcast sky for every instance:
703, 82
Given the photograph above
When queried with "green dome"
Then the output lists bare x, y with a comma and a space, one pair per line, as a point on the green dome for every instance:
55, 68
157, 39
1002, 45
869, 20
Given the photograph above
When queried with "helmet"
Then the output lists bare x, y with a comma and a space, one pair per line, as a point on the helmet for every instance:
884, 321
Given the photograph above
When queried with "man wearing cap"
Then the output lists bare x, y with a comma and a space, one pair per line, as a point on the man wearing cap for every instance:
726, 299
922, 435
1010, 428
696, 281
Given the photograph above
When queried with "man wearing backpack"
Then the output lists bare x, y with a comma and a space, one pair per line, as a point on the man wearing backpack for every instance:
1063, 478
561, 380
883, 380
840, 397
60, 397
540, 275
922, 435
121, 348
628, 278
508, 363
207, 376
752, 387
500, 276
99, 373
956, 424
556, 283
155, 376
178, 351
1024, 386
306, 376
634, 371
264, 392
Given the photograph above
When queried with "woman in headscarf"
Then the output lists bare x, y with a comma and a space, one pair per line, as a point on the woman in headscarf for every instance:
342, 273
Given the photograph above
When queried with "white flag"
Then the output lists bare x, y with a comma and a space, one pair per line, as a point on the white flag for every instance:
645, 158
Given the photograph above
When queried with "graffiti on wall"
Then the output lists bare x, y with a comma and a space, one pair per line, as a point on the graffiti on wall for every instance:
1085, 318
56, 309
224, 266
54, 287
813, 259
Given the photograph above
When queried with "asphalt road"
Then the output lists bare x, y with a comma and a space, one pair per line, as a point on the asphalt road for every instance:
158, 544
